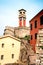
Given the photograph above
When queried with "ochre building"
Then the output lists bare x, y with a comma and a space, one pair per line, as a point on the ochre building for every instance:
9, 50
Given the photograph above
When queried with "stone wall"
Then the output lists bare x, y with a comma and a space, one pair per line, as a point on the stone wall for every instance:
27, 55
22, 31
17, 31
39, 45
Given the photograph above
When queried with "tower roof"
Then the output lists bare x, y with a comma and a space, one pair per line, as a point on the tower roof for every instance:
22, 10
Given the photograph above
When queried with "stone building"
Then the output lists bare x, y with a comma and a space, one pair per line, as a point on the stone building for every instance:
39, 46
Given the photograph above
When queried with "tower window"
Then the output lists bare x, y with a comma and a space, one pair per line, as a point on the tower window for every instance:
24, 12
35, 35
41, 20
31, 26
12, 56
2, 57
20, 12
35, 24
2, 45
31, 37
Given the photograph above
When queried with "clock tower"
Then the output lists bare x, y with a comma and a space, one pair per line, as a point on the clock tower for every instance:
22, 18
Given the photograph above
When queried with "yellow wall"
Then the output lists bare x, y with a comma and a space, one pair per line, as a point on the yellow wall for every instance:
8, 50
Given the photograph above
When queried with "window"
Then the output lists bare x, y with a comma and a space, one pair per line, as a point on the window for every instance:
31, 26
41, 20
35, 35
2, 57
35, 24
24, 12
20, 12
12, 56
31, 37
2, 45
13, 45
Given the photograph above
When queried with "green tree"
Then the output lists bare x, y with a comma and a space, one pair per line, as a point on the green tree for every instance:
27, 37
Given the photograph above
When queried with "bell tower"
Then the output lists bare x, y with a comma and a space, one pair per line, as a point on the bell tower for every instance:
22, 18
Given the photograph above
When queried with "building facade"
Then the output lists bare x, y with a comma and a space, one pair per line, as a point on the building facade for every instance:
39, 46
35, 23
9, 50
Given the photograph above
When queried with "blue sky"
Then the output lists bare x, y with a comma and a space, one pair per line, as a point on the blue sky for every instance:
9, 11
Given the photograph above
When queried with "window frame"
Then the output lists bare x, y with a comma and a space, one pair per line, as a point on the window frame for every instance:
12, 56
2, 45
35, 24
30, 26
12, 44
20, 12
35, 35
2, 56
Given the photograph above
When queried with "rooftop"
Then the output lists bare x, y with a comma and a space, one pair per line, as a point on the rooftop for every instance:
36, 15
22, 10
